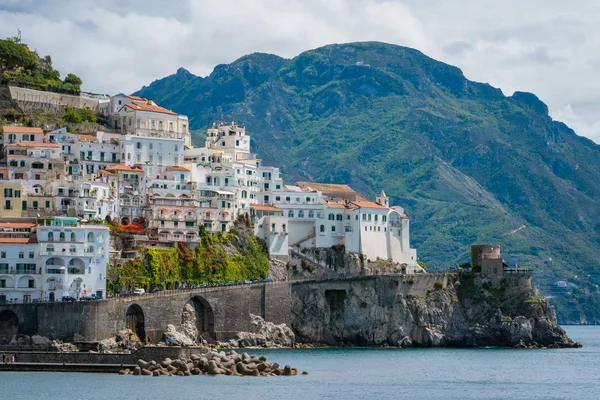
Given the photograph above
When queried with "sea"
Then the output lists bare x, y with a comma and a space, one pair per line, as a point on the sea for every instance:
355, 373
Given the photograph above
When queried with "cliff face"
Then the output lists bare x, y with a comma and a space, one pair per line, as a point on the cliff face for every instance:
426, 310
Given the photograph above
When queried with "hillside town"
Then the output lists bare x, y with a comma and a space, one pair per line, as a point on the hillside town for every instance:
61, 190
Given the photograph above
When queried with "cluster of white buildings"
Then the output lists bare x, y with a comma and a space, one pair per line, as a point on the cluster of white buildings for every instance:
144, 170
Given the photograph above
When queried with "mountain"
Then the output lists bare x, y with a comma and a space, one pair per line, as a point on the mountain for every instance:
469, 164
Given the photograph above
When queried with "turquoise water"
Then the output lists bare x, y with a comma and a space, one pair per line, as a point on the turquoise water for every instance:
355, 374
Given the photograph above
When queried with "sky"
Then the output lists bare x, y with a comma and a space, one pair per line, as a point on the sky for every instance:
547, 47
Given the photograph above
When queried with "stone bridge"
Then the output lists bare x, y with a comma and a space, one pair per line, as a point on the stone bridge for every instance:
221, 312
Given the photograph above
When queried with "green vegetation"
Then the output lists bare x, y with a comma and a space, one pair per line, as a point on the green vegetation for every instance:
21, 66
535, 300
220, 258
79, 115
469, 164
438, 285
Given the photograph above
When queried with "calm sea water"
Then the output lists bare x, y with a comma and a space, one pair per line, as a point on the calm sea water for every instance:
355, 374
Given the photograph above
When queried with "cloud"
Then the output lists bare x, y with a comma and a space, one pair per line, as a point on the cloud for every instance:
546, 47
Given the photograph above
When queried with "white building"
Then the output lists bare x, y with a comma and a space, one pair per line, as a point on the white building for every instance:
73, 257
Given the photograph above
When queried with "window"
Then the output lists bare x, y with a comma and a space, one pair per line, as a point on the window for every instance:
138, 123
223, 227
176, 147
24, 205
50, 236
311, 214
21, 254
333, 228
369, 217
331, 217
301, 214
376, 217
3, 254
277, 187
322, 228
277, 198
291, 214
160, 125
244, 194
364, 216
347, 228
308, 199
35, 204
17, 194
287, 199
339, 217
61, 237
283, 227
266, 199
273, 227
150, 146
266, 186
297, 199
31, 254
31, 284
7, 205
8, 192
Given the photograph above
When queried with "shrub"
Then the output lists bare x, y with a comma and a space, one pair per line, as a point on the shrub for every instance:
438, 285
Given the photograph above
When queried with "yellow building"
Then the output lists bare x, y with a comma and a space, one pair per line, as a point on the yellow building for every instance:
12, 199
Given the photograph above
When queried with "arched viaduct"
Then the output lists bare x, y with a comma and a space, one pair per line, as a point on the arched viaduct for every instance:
220, 313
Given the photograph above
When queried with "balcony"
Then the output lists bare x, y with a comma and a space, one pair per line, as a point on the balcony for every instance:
76, 271
27, 271
55, 271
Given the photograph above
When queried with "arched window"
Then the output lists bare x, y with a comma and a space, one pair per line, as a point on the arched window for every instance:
90, 237
72, 236
322, 228
339, 217
311, 214
22, 164
244, 194
291, 214
51, 236
331, 217
301, 214
61, 237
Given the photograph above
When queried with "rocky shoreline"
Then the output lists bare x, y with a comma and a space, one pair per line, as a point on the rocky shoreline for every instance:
211, 362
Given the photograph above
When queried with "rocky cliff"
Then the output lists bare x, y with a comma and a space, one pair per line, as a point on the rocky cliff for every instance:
426, 310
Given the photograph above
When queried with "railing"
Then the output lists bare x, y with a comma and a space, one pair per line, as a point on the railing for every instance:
28, 271
54, 271
76, 271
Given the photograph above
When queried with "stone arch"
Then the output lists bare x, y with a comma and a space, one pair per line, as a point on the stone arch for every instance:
9, 326
134, 320
204, 317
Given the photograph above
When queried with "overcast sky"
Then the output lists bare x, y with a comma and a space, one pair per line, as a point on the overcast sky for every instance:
548, 47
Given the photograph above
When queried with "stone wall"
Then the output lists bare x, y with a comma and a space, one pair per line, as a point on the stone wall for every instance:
30, 99
228, 307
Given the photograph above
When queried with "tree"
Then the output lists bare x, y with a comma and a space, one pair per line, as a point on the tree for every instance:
14, 55
48, 70
73, 80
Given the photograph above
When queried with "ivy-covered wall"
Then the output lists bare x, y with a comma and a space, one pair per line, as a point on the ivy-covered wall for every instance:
219, 258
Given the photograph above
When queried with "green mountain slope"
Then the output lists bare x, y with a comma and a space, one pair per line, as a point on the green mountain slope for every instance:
468, 163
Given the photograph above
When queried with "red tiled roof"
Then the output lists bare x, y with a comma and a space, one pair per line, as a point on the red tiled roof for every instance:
368, 204
332, 204
148, 107
265, 207
21, 129
177, 168
17, 240
87, 137
122, 167
16, 225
